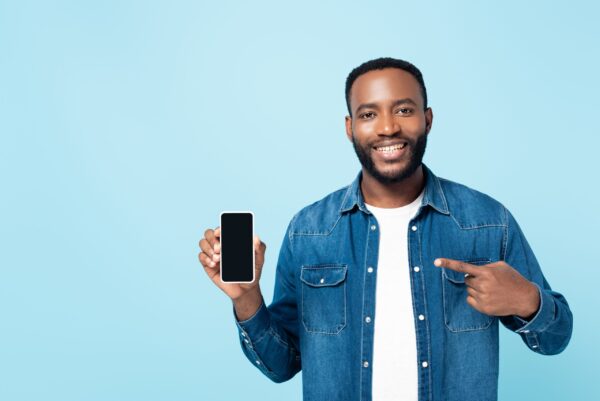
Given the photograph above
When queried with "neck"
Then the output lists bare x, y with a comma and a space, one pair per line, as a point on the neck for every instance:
393, 195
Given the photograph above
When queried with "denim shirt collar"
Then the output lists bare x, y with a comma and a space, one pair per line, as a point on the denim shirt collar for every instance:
433, 196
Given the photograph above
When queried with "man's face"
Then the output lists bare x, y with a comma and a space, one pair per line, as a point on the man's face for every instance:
388, 127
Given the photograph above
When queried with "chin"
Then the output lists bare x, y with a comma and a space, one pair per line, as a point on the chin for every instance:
393, 174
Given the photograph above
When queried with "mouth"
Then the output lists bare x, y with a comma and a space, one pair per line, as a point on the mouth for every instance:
391, 151
391, 148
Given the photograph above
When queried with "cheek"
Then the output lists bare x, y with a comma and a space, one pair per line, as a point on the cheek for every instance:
413, 125
364, 129
420, 125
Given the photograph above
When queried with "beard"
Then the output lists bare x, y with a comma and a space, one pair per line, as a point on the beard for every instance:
414, 154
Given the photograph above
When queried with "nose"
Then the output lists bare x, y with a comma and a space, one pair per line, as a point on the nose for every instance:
388, 125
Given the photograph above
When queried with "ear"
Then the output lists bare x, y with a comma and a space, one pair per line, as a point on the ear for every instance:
348, 122
428, 119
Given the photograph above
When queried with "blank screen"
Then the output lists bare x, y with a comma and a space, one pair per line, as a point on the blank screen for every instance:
237, 250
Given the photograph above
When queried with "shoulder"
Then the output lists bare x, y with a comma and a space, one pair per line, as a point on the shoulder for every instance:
471, 208
321, 216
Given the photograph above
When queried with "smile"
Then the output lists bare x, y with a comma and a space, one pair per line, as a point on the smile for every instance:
391, 148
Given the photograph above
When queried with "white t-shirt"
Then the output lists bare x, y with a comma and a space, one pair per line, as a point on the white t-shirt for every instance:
395, 365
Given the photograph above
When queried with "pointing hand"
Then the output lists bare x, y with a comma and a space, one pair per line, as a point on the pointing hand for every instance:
496, 289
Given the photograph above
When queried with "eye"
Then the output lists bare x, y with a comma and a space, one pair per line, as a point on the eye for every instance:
405, 110
368, 113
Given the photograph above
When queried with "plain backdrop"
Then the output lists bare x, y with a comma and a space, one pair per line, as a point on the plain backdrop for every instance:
127, 126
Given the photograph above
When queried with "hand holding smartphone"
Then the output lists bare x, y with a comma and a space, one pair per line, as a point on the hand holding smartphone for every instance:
233, 258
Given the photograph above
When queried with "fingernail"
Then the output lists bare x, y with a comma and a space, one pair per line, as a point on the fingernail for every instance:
437, 262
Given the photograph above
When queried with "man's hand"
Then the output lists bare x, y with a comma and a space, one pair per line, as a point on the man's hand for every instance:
496, 289
246, 297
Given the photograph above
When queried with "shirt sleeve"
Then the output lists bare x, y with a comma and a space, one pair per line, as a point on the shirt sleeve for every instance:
549, 330
269, 338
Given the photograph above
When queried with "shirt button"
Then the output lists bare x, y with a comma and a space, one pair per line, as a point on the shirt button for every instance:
373, 227
370, 269
414, 228
424, 364
534, 346
416, 268
247, 342
258, 362
322, 281
243, 334
366, 364
368, 319
525, 331
421, 317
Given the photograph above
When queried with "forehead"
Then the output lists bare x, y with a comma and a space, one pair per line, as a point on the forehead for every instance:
382, 86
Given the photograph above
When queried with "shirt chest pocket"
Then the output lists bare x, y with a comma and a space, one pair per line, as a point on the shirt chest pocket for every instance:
458, 314
323, 305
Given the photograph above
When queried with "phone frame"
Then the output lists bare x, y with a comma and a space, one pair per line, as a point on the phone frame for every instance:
251, 245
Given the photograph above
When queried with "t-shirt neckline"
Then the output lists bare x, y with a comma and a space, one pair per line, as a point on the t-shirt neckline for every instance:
397, 210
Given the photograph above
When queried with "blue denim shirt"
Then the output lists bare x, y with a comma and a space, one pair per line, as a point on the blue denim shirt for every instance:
325, 286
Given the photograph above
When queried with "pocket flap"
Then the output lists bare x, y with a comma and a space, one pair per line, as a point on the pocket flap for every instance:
458, 277
323, 275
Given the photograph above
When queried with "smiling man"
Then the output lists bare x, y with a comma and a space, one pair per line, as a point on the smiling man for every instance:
394, 287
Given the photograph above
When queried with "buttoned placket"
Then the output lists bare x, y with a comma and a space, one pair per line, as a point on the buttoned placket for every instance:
421, 325
370, 281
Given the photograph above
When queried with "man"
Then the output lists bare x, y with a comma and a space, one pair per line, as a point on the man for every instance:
393, 287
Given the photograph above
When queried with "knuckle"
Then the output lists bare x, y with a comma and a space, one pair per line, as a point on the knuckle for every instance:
205, 260
205, 246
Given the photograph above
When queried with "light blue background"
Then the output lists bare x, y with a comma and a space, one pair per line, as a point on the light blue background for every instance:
121, 122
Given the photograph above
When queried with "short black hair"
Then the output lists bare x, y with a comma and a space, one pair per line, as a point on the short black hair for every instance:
380, 64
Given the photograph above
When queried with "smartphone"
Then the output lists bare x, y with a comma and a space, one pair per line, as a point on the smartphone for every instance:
237, 247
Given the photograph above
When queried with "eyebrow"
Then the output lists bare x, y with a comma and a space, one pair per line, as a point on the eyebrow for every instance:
396, 103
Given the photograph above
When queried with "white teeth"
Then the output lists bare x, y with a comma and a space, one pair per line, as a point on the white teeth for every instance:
391, 148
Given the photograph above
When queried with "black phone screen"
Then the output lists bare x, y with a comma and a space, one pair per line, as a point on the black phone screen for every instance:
237, 248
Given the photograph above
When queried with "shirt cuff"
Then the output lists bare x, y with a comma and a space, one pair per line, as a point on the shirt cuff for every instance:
543, 317
256, 326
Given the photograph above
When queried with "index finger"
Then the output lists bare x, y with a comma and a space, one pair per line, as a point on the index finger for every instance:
456, 265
